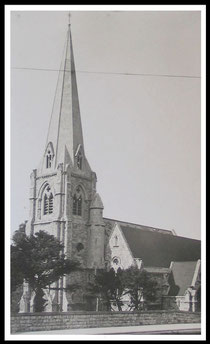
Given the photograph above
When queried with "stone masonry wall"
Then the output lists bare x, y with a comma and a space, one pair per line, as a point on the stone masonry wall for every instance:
53, 321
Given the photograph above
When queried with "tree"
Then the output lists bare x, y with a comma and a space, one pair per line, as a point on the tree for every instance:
112, 287
39, 260
140, 287
107, 286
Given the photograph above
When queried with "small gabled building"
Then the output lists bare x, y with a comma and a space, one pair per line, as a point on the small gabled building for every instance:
172, 261
185, 286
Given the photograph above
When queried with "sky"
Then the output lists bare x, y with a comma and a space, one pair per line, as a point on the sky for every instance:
141, 132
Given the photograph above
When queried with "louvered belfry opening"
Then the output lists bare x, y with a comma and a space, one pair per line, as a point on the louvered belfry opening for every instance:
48, 202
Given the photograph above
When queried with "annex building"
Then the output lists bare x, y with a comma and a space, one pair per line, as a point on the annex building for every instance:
64, 202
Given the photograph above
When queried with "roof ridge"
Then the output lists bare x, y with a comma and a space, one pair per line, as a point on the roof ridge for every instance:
161, 231
186, 261
124, 223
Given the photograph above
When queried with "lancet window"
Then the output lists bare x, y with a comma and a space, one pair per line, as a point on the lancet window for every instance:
79, 160
49, 155
77, 202
116, 240
48, 159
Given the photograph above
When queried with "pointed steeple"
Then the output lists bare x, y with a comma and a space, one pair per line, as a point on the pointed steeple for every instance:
65, 139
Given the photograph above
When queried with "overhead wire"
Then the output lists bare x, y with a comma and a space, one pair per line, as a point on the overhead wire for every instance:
112, 73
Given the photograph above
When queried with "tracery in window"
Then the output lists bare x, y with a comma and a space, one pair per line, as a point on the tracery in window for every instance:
48, 201
77, 202
116, 261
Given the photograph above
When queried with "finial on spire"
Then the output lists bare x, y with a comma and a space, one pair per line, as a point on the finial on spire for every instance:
69, 15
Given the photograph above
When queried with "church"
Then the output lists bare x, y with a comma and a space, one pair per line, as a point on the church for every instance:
64, 202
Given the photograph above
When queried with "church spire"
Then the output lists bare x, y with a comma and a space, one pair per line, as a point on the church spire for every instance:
65, 129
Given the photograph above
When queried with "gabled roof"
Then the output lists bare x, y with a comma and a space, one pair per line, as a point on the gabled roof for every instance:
182, 277
158, 249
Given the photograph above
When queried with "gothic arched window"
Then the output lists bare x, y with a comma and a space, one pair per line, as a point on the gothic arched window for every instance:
79, 160
48, 201
48, 159
49, 155
79, 156
77, 202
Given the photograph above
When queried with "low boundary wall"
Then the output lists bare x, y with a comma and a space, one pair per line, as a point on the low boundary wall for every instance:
26, 322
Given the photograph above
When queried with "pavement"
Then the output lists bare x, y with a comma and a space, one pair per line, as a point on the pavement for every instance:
140, 330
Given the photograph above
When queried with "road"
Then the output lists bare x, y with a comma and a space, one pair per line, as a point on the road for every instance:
166, 329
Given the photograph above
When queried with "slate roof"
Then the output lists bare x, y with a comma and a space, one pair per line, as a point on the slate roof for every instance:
157, 270
112, 222
159, 249
182, 275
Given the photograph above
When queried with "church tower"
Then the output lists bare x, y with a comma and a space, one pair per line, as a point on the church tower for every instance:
63, 198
